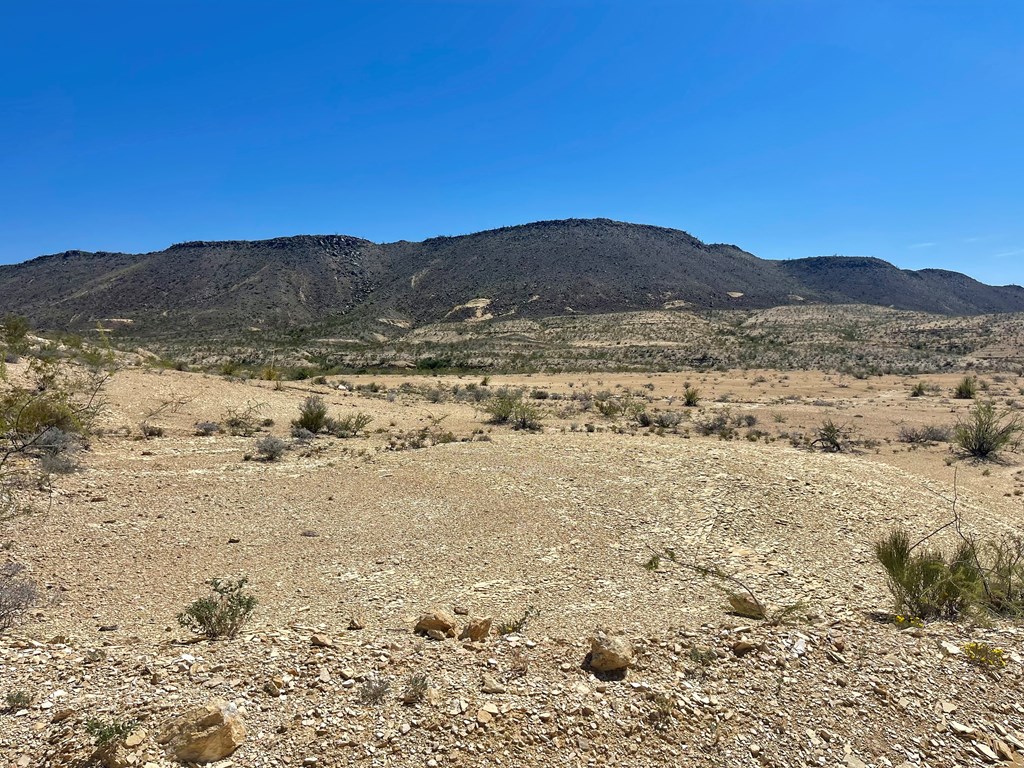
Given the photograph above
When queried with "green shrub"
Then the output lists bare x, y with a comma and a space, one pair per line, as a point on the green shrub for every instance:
831, 437
17, 700
507, 407
108, 733
224, 613
986, 432
926, 583
966, 389
932, 433
312, 414
691, 396
348, 426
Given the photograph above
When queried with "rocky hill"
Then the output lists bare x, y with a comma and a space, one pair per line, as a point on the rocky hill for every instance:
574, 266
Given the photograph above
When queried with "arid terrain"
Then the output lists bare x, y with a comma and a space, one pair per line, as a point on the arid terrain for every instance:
347, 542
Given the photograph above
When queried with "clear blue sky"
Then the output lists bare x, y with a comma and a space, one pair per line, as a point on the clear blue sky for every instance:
792, 128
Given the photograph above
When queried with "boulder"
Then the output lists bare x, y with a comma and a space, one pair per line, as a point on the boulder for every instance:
610, 653
437, 620
205, 734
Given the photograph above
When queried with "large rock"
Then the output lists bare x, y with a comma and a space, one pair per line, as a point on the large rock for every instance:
610, 653
477, 629
437, 620
205, 734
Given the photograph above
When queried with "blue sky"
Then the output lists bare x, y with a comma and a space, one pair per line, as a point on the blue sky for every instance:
789, 127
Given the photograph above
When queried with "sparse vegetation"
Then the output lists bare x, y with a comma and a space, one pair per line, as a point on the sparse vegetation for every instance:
966, 389
374, 690
244, 421
106, 733
517, 625
17, 700
348, 426
270, 448
932, 433
415, 690
224, 613
691, 397
986, 431
312, 415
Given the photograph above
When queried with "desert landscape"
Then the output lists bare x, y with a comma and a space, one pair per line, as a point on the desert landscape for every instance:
631, 508
512, 384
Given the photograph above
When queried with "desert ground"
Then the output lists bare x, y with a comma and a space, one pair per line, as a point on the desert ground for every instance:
352, 539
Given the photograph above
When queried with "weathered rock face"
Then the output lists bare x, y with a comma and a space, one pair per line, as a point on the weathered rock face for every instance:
437, 621
205, 734
610, 653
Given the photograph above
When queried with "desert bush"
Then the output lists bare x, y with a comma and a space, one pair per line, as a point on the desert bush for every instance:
831, 437
925, 583
716, 423
691, 397
348, 426
14, 332
16, 700
518, 624
106, 733
374, 690
508, 407
243, 421
984, 655
966, 388
17, 594
270, 448
932, 433
312, 414
919, 389
415, 690
667, 419
986, 432
224, 613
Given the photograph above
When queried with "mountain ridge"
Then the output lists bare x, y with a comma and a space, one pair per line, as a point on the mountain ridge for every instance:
545, 268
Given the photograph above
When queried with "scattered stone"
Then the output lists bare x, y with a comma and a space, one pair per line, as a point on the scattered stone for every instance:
743, 647
321, 641
477, 630
490, 685
357, 621
746, 606
949, 649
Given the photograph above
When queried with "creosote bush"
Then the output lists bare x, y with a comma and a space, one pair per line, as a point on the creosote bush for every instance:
222, 614
312, 414
508, 407
986, 431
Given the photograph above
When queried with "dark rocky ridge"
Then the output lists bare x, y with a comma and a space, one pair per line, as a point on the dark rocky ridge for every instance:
583, 266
